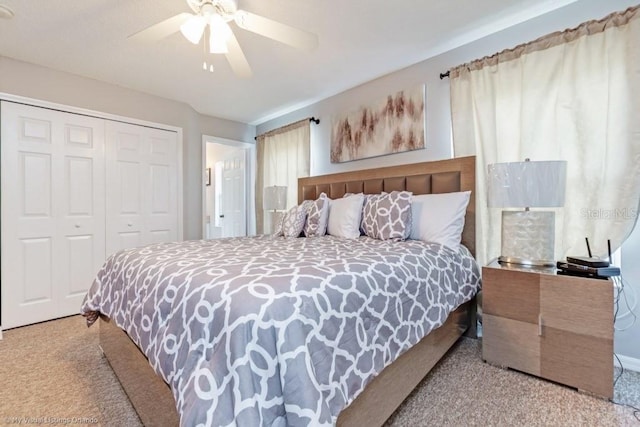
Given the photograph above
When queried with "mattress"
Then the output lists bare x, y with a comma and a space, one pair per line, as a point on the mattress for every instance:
274, 331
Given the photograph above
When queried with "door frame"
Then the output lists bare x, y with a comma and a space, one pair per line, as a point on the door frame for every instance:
250, 179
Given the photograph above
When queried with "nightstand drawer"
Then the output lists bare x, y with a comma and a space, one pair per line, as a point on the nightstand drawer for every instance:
511, 294
577, 305
581, 361
511, 343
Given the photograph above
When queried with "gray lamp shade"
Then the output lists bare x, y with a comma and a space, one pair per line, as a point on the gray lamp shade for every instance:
527, 184
274, 198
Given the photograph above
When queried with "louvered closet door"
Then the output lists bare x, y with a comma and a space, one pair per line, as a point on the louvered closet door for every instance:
142, 203
53, 232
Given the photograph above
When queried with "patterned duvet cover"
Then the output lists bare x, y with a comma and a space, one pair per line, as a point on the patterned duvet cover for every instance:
273, 331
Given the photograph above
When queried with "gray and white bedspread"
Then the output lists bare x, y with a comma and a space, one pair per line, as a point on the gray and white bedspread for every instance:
262, 331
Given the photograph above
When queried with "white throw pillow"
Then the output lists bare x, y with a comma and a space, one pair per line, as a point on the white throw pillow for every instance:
439, 218
344, 216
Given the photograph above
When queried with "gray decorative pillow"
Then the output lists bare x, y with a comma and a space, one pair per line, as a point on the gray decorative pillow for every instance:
306, 205
369, 224
317, 215
393, 215
293, 221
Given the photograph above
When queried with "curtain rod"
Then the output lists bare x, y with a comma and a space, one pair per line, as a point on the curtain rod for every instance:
311, 119
612, 20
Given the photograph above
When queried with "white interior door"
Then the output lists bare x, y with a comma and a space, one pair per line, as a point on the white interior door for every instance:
53, 232
233, 209
142, 203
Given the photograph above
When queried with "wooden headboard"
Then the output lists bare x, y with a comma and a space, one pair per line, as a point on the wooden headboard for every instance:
442, 176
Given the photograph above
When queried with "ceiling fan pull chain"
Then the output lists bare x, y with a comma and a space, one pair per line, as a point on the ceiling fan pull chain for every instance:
206, 66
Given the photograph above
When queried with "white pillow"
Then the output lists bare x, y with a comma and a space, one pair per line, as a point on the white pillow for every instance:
344, 216
439, 218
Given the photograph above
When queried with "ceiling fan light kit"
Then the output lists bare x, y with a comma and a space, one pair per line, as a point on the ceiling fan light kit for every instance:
219, 33
217, 14
194, 27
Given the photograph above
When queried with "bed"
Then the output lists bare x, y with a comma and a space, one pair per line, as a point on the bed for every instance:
356, 386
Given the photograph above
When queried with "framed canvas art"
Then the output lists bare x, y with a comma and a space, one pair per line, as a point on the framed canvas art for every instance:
391, 125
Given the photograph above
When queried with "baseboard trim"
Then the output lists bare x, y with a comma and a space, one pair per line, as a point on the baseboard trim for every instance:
630, 363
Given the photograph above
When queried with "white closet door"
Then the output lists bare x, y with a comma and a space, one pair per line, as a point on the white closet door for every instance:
142, 203
52, 211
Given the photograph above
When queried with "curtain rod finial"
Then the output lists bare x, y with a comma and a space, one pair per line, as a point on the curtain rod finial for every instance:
314, 120
443, 75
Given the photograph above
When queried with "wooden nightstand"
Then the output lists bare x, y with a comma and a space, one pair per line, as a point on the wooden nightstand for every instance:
553, 326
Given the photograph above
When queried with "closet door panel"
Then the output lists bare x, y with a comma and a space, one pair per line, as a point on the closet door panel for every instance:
141, 186
49, 195
81, 208
125, 193
162, 185
31, 178
80, 254
29, 225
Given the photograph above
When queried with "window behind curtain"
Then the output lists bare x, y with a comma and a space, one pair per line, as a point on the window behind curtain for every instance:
574, 96
283, 157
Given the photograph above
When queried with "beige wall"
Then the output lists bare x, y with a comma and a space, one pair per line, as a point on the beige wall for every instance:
32, 81
438, 117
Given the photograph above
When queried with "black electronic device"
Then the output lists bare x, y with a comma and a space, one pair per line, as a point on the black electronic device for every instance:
590, 266
588, 261
608, 271
591, 261
580, 274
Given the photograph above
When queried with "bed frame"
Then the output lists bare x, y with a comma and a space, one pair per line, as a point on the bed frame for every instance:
152, 398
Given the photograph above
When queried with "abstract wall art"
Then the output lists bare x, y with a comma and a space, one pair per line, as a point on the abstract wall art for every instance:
392, 125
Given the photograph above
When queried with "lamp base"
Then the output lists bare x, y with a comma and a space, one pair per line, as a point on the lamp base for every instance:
528, 238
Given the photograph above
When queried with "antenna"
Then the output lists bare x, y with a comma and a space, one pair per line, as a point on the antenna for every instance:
609, 247
588, 247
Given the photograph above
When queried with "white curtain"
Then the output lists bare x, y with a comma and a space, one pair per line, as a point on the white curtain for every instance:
573, 96
283, 157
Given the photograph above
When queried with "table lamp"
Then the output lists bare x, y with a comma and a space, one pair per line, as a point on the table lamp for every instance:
274, 199
528, 237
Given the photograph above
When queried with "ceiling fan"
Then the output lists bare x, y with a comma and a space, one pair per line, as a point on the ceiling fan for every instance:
216, 16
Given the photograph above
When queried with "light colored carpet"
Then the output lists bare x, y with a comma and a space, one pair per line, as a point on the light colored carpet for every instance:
463, 390
54, 371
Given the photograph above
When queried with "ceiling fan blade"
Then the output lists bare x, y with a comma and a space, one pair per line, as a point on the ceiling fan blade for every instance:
161, 29
236, 58
275, 30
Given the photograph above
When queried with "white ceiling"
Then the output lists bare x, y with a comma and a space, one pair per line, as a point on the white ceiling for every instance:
359, 41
